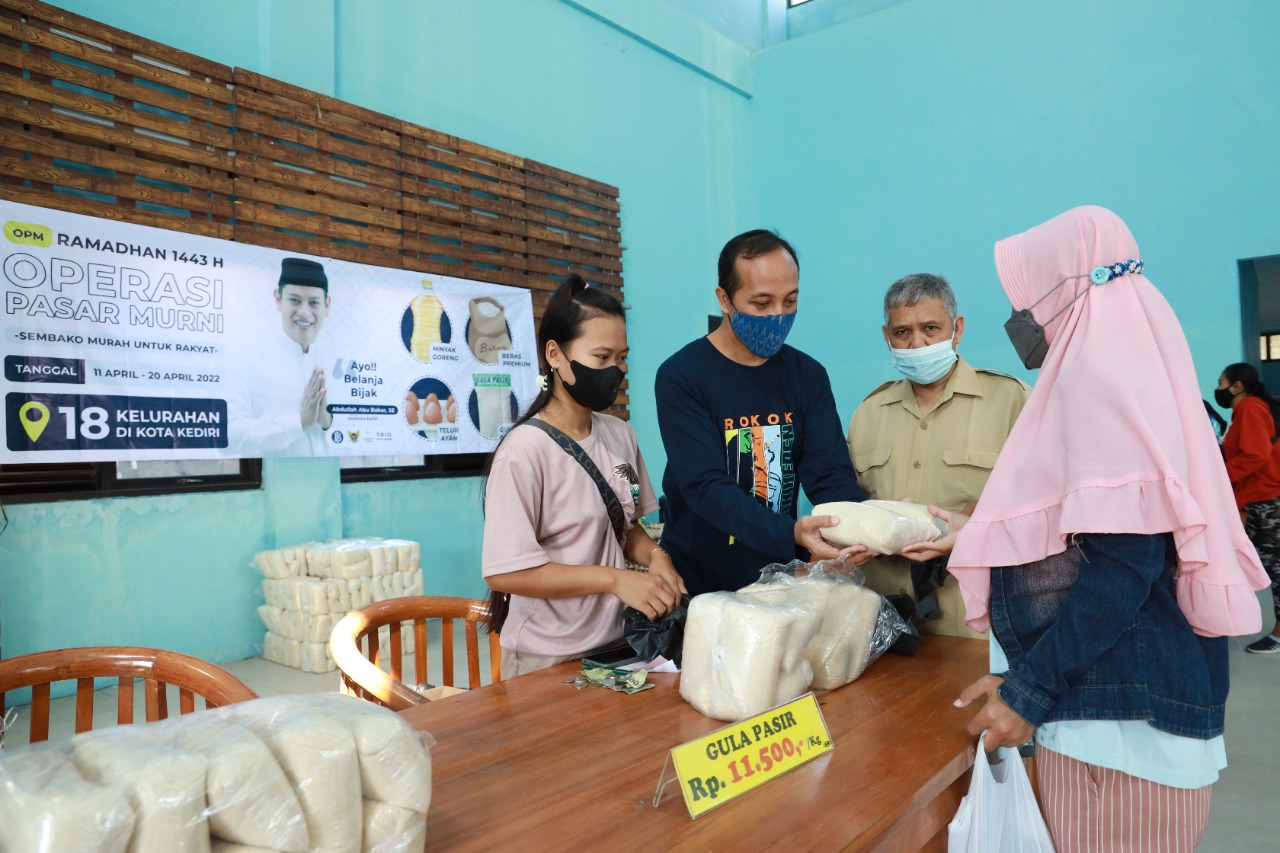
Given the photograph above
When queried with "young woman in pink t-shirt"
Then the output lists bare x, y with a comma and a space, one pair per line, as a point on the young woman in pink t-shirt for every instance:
550, 550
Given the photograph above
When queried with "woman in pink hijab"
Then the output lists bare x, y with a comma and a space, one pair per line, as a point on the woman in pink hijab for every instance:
1105, 553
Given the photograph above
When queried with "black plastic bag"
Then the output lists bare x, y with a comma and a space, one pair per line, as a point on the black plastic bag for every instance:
664, 637
926, 579
908, 639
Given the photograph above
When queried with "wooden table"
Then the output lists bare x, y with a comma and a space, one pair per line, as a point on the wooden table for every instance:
534, 764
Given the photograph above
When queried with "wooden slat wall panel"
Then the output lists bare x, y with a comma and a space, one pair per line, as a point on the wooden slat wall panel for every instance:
577, 226
98, 121
464, 208
312, 165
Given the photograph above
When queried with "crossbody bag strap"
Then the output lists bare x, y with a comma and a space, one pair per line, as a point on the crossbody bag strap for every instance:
612, 505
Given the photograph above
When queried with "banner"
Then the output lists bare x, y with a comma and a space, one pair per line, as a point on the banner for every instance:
126, 342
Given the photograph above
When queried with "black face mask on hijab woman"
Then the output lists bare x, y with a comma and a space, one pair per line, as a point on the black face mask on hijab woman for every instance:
594, 387
1027, 335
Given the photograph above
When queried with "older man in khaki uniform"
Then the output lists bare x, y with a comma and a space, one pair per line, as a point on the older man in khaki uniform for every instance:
931, 437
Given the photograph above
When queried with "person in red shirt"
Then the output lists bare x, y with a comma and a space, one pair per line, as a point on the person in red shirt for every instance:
1253, 465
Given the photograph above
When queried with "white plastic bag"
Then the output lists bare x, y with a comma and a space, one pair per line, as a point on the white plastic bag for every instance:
999, 814
849, 615
743, 656
285, 774
883, 529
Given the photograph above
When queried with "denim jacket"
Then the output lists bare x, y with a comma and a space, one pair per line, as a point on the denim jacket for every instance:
1095, 633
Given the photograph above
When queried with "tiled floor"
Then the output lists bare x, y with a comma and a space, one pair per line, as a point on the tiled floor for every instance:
1242, 800
1243, 817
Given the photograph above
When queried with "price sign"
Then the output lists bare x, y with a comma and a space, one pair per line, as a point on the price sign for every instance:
741, 757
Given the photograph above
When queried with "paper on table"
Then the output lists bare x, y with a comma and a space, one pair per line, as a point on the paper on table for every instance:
658, 664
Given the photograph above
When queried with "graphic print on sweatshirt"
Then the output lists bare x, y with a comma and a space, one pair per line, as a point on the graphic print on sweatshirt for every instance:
758, 456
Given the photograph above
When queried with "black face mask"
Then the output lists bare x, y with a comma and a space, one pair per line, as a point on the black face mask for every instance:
1027, 337
1223, 397
594, 387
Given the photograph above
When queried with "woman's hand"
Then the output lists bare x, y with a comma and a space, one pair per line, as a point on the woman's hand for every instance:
1002, 725
661, 566
923, 552
858, 554
651, 594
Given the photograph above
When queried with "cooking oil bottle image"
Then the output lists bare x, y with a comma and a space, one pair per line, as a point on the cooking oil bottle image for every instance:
427, 311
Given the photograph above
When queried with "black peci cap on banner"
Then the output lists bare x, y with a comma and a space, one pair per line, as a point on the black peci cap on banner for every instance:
303, 273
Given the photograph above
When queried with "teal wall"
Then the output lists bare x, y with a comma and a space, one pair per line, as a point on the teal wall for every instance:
157, 571
913, 137
642, 96
883, 137
444, 515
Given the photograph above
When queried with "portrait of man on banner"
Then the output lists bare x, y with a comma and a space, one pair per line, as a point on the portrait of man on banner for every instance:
278, 398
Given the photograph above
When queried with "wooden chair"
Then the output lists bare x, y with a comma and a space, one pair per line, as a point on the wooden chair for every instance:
192, 676
357, 650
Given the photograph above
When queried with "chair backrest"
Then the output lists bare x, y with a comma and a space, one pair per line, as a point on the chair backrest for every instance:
358, 652
157, 667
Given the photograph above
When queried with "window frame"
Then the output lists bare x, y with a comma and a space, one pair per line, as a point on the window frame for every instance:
1265, 345
433, 466
44, 482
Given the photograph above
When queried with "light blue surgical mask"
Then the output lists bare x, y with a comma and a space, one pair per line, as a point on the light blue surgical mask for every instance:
925, 365
763, 334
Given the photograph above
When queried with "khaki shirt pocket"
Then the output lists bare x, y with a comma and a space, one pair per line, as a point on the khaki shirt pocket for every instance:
866, 460
967, 472
873, 475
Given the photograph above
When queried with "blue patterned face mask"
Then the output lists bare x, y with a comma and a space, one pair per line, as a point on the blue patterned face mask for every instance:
762, 334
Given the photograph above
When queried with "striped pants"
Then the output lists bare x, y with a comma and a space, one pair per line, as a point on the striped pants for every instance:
1091, 809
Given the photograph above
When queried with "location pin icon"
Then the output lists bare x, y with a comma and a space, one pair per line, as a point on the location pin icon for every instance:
34, 425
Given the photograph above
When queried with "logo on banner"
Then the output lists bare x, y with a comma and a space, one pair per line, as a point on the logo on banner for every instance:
26, 234
336, 436
354, 436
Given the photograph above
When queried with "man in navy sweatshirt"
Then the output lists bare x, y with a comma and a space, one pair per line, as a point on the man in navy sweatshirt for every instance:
746, 422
